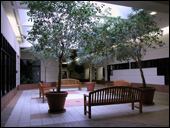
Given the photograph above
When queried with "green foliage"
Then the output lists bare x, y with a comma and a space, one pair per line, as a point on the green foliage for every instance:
140, 34
57, 26
93, 38
123, 39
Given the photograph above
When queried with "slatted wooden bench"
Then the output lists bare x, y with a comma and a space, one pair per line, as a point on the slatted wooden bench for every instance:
69, 83
113, 95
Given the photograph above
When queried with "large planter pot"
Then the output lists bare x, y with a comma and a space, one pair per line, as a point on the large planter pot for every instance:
56, 101
90, 86
148, 95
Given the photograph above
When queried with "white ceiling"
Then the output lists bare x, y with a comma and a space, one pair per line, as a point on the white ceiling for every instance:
16, 13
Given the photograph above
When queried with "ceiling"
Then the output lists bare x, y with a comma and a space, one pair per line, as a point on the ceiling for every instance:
16, 14
159, 6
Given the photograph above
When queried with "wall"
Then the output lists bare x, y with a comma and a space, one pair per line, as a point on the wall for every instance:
133, 75
51, 71
99, 73
18, 70
8, 33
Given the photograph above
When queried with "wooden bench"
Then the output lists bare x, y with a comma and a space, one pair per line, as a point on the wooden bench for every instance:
113, 95
43, 88
70, 83
119, 83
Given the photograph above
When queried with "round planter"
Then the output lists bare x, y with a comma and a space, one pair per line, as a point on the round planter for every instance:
90, 86
148, 95
56, 101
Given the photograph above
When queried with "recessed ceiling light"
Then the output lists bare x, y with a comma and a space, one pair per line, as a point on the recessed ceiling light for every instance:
153, 13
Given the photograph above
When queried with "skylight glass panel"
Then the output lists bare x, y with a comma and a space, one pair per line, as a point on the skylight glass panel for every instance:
116, 10
23, 17
25, 29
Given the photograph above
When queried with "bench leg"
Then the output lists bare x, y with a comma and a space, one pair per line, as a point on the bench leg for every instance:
89, 112
43, 98
40, 93
85, 110
133, 105
140, 107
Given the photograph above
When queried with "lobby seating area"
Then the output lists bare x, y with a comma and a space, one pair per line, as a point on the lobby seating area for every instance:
109, 43
27, 110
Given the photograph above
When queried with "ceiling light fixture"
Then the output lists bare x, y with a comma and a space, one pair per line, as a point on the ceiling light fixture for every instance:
153, 13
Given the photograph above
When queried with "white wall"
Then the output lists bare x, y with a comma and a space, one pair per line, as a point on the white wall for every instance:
18, 70
8, 32
99, 73
9, 35
160, 52
134, 76
51, 71
87, 73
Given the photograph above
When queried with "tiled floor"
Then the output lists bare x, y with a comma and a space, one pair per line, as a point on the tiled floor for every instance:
29, 111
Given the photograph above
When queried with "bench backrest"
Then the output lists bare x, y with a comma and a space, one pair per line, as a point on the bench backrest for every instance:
44, 85
69, 81
115, 94
122, 83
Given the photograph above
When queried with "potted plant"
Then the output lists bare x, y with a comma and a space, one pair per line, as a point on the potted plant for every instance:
56, 29
139, 33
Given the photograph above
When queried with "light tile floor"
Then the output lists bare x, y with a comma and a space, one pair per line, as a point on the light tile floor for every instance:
29, 111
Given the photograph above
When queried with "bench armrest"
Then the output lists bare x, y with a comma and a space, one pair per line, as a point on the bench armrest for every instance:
85, 98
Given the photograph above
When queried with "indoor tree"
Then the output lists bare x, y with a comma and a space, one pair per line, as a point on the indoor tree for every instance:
94, 42
86, 50
140, 33
57, 26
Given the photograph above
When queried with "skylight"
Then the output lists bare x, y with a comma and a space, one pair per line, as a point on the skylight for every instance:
23, 17
116, 10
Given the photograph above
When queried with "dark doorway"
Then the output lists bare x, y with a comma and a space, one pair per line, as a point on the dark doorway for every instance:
30, 71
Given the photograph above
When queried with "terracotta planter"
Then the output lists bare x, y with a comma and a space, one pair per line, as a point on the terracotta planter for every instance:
90, 86
148, 95
56, 101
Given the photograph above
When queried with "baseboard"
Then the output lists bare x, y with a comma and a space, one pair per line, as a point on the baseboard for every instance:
7, 98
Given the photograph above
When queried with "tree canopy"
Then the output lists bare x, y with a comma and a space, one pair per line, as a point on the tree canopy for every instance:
57, 26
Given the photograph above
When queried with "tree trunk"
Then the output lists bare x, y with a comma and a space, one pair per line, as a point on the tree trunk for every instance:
45, 73
141, 72
90, 68
59, 74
